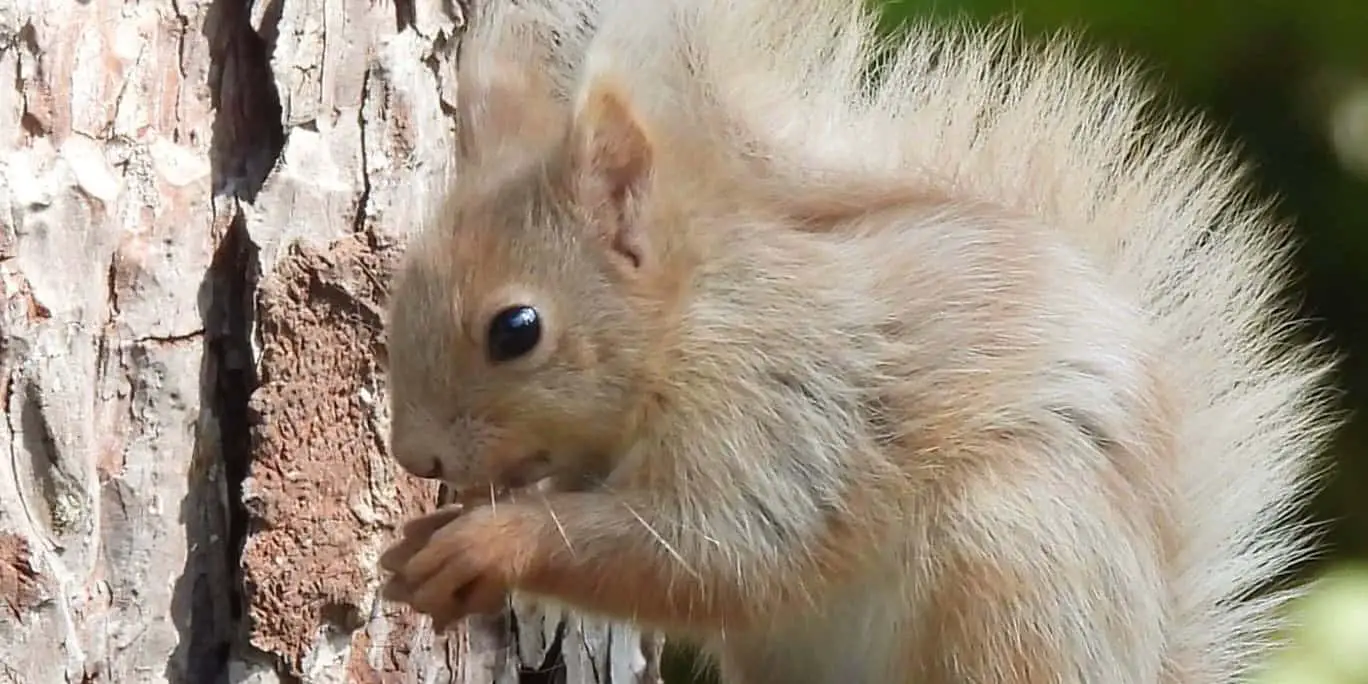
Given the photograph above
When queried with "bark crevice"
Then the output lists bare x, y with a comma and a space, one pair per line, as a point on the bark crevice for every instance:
246, 140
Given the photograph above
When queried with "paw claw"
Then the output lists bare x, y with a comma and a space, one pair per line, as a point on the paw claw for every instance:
447, 566
396, 557
423, 527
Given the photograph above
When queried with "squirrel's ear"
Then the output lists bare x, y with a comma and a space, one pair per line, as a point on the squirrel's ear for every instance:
612, 166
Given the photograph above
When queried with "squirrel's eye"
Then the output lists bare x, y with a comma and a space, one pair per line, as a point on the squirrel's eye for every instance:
513, 332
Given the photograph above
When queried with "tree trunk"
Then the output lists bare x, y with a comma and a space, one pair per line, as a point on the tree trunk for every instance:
200, 203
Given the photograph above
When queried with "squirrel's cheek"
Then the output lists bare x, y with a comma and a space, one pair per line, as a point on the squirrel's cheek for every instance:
577, 352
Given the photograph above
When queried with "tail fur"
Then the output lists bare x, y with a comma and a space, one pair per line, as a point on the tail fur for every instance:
807, 90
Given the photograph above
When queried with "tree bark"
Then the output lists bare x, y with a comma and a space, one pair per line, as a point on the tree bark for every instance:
200, 204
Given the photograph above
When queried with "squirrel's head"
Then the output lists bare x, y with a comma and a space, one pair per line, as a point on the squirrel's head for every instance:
528, 328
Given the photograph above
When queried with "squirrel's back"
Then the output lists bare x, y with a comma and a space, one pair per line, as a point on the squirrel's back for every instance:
829, 118
806, 92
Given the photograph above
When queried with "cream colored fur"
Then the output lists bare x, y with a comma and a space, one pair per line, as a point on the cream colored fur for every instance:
978, 371
1057, 137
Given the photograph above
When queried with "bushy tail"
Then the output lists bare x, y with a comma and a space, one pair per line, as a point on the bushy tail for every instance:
805, 90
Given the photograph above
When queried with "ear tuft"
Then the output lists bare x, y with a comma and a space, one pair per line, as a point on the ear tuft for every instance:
612, 167
504, 104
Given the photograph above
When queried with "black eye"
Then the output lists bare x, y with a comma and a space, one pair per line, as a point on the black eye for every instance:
513, 332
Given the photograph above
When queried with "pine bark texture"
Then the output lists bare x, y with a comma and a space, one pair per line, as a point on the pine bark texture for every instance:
200, 203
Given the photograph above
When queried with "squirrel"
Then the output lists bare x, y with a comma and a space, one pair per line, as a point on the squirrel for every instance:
851, 360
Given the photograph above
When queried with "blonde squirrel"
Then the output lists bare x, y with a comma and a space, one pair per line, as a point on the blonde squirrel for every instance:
935, 361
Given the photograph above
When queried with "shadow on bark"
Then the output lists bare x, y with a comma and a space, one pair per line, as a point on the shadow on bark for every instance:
207, 607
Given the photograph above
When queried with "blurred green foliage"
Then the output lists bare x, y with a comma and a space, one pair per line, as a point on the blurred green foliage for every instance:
1330, 646
1287, 82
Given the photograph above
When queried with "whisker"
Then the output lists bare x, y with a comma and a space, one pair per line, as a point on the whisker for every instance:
560, 528
661, 540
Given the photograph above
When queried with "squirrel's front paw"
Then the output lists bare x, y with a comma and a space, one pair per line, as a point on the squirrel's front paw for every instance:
454, 563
